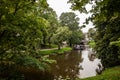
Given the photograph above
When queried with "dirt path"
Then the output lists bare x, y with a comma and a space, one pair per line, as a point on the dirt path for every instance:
48, 49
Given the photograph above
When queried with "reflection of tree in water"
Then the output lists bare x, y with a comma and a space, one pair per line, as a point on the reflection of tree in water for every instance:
67, 65
91, 57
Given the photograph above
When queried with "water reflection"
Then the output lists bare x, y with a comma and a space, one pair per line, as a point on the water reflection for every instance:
89, 66
67, 64
74, 64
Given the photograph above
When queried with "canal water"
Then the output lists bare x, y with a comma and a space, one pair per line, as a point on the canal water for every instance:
75, 64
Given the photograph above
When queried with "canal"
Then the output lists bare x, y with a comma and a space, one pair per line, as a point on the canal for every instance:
75, 64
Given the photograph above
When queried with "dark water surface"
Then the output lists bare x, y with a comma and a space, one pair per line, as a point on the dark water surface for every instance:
75, 64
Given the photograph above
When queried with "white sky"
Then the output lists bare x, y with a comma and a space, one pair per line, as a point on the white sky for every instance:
61, 6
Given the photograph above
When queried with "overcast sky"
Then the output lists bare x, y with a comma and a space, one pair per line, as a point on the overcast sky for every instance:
61, 6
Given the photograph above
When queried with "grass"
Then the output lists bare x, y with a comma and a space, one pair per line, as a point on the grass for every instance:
92, 44
55, 51
108, 74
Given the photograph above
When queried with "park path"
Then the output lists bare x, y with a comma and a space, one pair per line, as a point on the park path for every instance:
48, 49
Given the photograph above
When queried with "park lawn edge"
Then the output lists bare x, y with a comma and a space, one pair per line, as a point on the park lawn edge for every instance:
55, 51
92, 44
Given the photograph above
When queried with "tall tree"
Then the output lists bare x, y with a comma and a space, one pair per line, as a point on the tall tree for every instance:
20, 34
61, 34
91, 33
76, 37
106, 16
71, 20
50, 15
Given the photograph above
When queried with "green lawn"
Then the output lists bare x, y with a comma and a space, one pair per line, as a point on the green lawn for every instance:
108, 74
56, 51
92, 44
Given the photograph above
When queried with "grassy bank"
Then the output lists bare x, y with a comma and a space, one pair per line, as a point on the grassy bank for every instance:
55, 51
108, 74
92, 44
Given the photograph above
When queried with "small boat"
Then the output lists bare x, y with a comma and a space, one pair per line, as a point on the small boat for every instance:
79, 47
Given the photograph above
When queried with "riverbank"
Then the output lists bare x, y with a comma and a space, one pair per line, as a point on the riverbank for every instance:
92, 44
55, 51
109, 74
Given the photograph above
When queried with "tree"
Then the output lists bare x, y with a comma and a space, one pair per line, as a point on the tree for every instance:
20, 35
51, 16
61, 34
70, 20
91, 33
105, 17
76, 37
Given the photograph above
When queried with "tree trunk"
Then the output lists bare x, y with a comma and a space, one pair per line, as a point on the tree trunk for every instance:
59, 46
49, 42
70, 43
44, 40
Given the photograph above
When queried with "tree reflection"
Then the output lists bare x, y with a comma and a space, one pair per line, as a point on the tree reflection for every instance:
67, 65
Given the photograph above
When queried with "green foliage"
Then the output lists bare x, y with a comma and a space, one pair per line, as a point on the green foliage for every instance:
107, 30
49, 46
76, 37
116, 43
61, 34
70, 20
109, 74
21, 34
50, 15
79, 5
91, 33
28, 61
45, 59
106, 19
